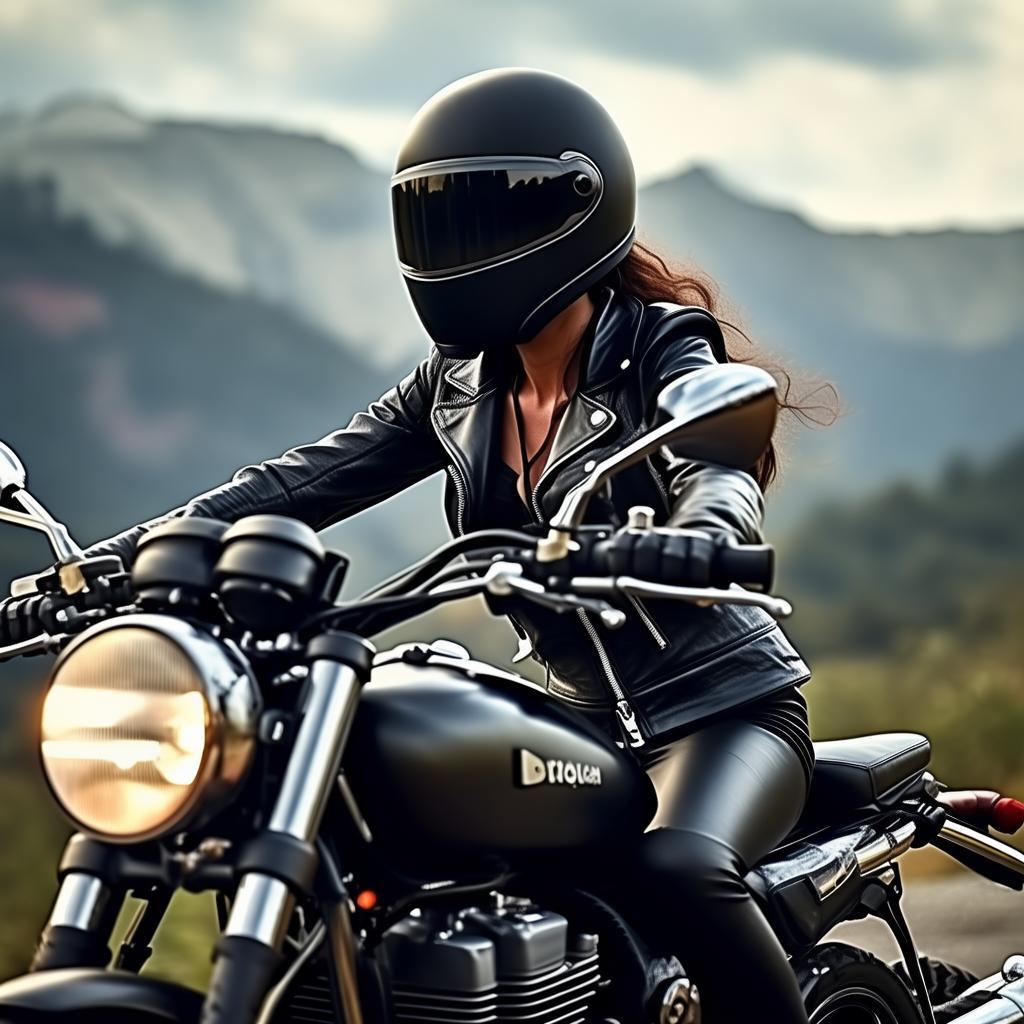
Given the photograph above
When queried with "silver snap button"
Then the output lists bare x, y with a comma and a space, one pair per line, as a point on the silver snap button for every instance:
589, 466
597, 417
624, 365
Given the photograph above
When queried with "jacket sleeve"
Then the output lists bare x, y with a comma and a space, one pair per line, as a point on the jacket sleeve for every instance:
727, 503
384, 449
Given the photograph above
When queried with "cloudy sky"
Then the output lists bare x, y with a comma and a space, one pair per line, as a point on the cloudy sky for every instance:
879, 113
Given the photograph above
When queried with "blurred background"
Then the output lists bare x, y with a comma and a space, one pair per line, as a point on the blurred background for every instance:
196, 271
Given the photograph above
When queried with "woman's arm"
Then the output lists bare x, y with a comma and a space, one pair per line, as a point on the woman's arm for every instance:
726, 503
383, 450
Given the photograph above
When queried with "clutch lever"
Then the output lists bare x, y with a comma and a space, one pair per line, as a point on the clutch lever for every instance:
42, 644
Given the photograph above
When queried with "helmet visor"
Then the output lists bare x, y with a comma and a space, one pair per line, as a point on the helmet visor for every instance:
455, 216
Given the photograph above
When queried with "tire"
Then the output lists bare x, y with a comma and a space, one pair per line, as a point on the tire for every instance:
845, 985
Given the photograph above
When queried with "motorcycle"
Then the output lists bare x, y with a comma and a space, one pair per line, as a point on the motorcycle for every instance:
397, 836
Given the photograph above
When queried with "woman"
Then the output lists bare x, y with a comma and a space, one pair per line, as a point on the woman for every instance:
514, 205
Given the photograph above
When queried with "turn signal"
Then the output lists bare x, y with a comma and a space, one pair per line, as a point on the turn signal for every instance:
366, 900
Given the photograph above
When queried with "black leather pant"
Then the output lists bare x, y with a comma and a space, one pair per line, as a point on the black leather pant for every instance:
727, 794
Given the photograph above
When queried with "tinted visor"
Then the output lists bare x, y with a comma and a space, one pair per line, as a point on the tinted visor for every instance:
461, 215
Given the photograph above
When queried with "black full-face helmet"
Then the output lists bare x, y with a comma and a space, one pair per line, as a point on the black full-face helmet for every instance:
513, 194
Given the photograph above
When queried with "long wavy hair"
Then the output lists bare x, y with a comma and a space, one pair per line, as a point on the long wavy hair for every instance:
651, 278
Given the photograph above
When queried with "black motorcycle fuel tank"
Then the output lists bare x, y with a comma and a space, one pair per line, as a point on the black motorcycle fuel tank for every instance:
452, 755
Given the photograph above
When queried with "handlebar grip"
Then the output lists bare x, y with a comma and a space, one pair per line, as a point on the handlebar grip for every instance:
23, 618
750, 565
15, 617
705, 564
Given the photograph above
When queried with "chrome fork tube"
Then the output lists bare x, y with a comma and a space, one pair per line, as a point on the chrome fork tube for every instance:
263, 904
249, 952
313, 766
80, 903
80, 923
261, 910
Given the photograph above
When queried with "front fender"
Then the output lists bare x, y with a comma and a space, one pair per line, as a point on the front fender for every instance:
77, 995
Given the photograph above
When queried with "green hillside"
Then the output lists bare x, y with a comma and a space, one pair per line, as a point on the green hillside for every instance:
909, 607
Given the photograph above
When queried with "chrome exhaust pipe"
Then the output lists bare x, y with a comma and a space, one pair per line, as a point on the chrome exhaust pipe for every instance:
1008, 989
883, 850
984, 845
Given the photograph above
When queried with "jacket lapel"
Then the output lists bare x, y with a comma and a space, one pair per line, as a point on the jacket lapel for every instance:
467, 415
588, 416
467, 423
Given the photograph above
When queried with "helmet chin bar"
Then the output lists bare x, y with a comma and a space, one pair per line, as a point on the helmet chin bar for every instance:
568, 293
542, 313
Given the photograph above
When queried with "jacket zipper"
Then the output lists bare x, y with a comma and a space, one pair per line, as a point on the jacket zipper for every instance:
460, 499
624, 710
552, 466
658, 636
457, 479
659, 483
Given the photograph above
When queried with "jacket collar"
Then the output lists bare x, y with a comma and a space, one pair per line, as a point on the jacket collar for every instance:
618, 321
467, 414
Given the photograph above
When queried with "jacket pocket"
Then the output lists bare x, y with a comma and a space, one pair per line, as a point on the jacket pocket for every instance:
710, 655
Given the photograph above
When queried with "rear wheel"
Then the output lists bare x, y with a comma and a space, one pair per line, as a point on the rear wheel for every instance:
845, 985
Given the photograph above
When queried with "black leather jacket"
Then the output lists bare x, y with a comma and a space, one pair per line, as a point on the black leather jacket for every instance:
675, 662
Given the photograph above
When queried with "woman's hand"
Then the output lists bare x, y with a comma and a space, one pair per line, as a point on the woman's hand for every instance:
688, 558
684, 557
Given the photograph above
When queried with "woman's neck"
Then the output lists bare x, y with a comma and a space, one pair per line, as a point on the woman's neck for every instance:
546, 357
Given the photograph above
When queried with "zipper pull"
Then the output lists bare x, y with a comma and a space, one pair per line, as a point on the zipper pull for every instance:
628, 723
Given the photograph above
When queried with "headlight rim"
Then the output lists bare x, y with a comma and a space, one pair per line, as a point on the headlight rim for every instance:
233, 704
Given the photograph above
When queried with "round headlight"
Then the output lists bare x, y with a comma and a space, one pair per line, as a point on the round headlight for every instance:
147, 724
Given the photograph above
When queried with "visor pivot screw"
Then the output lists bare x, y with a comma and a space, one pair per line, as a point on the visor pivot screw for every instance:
583, 184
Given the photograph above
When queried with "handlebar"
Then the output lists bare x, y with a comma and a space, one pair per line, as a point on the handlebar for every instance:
39, 622
751, 565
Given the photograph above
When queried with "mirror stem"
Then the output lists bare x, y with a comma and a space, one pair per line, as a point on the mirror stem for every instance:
36, 517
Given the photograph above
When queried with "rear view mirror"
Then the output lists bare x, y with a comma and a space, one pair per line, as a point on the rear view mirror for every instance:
12, 472
723, 414
19, 507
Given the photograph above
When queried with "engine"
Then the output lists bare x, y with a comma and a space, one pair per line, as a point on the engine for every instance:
508, 960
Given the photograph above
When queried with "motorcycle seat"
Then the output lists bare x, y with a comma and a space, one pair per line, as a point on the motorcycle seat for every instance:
860, 771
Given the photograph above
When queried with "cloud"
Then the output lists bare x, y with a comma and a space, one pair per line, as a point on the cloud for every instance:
729, 36
881, 112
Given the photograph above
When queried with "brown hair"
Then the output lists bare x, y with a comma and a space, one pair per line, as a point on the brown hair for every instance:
650, 278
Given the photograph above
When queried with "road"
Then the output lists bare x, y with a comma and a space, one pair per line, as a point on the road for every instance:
960, 918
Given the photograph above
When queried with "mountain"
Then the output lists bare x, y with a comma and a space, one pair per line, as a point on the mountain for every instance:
921, 332
290, 218
953, 289
127, 388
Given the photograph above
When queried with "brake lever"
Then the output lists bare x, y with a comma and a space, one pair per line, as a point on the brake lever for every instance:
777, 607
